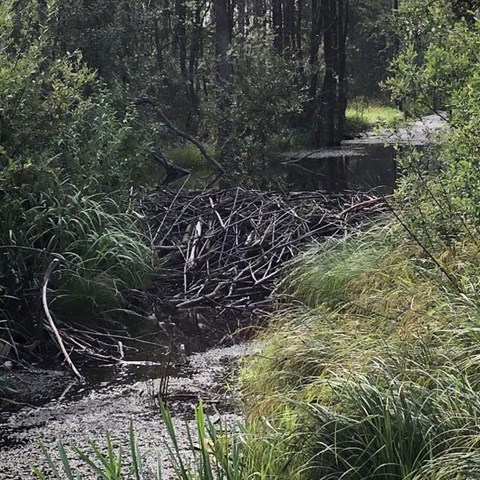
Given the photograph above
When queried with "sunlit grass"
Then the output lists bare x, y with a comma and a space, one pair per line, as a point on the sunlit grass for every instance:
374, 372
362, 117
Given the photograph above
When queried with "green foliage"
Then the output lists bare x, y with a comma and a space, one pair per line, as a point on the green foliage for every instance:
189, 156
377, 376
369, 31
438, 69
67, 161
259, 107
435, 62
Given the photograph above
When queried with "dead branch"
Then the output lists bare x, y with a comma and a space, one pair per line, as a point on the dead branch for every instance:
173, 172
186, 136
51, 323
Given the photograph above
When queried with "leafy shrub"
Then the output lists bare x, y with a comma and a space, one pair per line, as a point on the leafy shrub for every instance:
66, 167
438, 69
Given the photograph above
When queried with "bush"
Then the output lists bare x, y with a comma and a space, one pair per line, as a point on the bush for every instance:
102, 251
438, 69
66, 167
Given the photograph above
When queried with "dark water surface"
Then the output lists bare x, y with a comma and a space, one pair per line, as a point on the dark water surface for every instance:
353, 167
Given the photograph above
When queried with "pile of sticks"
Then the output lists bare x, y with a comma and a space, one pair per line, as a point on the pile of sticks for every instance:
226, 248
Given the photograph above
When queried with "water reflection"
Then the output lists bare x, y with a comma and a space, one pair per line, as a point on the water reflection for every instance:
366, 168
360, 166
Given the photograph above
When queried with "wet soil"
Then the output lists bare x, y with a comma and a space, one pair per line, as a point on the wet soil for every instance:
206, 376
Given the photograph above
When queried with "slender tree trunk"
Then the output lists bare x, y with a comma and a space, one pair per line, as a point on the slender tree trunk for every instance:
241, 16
298, 50
288, 10
315, 40
326, 120
224, 70
341, 104
298, 29
222, 41
181, 35
162, 28
332, 101
277, 25
194, 54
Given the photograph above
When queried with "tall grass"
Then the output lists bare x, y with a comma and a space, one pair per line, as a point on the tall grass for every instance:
103, 256
374, 373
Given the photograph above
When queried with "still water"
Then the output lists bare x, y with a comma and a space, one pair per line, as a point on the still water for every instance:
362, 167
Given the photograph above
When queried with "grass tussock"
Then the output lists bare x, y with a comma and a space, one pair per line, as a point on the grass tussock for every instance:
374, 373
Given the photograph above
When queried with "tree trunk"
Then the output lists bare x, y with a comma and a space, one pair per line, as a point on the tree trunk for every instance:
326, 131
161, 35
315, 41
224, 70
222, 41
340, 71
330, 116
277, 25
289, 37
181, 35
194, 54
241, 16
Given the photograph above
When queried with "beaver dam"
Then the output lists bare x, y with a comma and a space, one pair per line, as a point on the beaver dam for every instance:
226, 248
221, 253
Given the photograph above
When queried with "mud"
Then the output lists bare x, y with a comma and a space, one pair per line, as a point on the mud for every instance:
206, 376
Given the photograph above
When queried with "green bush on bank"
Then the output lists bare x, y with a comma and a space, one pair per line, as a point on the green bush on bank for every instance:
66, 169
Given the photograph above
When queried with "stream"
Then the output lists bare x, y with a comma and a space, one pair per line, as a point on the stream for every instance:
57, 408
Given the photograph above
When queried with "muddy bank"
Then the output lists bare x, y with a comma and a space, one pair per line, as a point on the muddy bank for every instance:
206, 376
